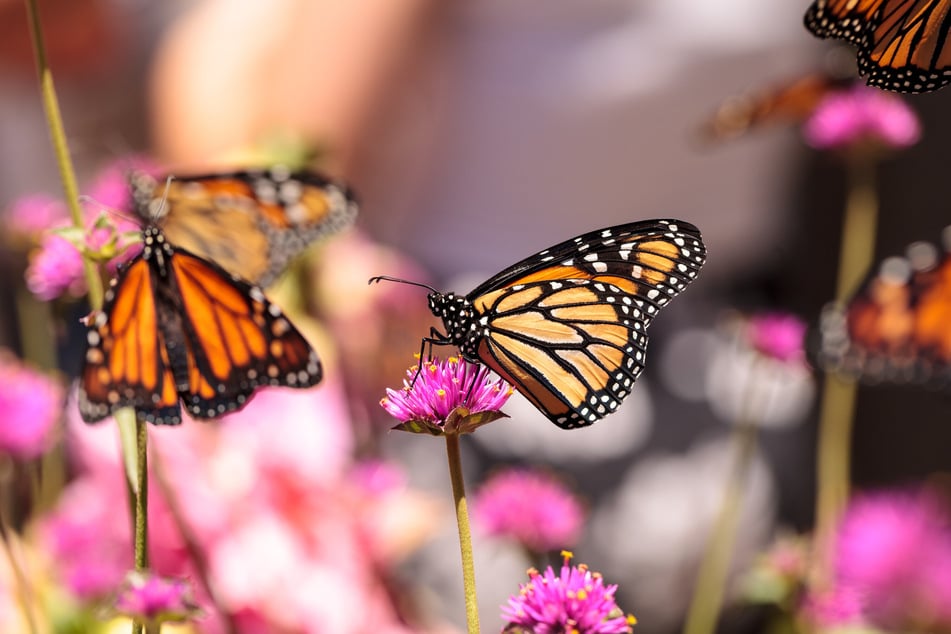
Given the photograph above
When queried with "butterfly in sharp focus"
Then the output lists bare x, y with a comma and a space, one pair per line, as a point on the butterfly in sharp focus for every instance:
903, 45
897, 327
177, 327
790, 102
567, 326
252, 223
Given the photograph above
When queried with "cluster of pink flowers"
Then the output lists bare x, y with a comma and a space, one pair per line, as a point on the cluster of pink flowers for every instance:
56, 266
531, 507
32, 404
862, 116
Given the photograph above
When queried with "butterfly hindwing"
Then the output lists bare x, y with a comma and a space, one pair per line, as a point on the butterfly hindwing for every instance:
176, 327
567, 326
253, 223
902, 45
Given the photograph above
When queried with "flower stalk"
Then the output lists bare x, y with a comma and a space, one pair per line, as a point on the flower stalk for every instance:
465, 532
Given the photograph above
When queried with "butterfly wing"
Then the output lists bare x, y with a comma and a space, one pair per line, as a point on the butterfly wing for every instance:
126, 362
236, 339
251, 222
902, 44
567, 326
895, 329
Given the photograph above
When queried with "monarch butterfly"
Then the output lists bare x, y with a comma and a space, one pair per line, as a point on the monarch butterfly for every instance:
250, 222
897, 327
902, 44
789, 102
567, 326
176, 326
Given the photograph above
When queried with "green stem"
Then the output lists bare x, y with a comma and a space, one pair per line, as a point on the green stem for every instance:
838, 397
54, 121
22, 581
714, 567
465, 535
142, 508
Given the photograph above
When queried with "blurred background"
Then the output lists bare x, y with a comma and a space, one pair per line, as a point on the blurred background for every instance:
475, 134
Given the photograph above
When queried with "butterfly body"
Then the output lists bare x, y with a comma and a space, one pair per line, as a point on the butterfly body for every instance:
177, 328
567, 326
903, 45
252, 222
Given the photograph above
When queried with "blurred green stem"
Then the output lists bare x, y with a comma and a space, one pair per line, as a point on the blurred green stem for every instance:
710, 588
833, 464
465, 535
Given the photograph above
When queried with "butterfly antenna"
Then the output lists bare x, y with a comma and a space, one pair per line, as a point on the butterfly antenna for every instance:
387, 278
161, 206
118, 213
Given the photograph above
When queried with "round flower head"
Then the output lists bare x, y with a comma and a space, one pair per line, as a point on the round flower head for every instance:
778, 336
30, 403
575, 601
155, 600
449, 396
862, 117
532, 507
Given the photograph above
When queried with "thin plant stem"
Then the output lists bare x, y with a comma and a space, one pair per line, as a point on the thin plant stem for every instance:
142, 508
465, 534
833, 464
54, 122
711, 578
22, 580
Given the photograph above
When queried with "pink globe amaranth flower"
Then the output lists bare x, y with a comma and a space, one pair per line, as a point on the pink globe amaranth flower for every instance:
56, 268
894, 549
30, 407
447, 396
862, 116
838, 607
778, 336
154, 600
575, 601
532, 507
33, 214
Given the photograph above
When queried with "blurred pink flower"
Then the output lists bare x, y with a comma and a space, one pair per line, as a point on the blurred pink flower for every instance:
451, 395
154, 600
31, 215
778, 336
841, 606
574, 601
30, 408
531, 507
56, 268
894, 549
862, 115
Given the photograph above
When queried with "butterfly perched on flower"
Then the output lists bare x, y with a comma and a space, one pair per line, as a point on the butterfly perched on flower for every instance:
897, 327
903, 45
791, 102
182, 327
567, 326
250, 222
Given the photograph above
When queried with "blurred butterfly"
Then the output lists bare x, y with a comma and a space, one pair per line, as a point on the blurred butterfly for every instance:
790, 102
567, 326
177, 327
252, 223
897, 327
902, 45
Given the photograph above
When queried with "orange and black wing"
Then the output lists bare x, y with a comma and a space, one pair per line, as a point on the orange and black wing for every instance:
126, 362
567, 326
902, 44
251, 222
897, 328
236, 339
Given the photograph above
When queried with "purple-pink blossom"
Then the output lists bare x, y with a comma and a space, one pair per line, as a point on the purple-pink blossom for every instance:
576, 600
154, 600
30, 407
839, 607
862, 116
33, 214
894, 550
444, 394
778, 336
531, 507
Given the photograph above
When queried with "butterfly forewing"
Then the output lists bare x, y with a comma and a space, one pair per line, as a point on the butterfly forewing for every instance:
567, 326
252, 222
